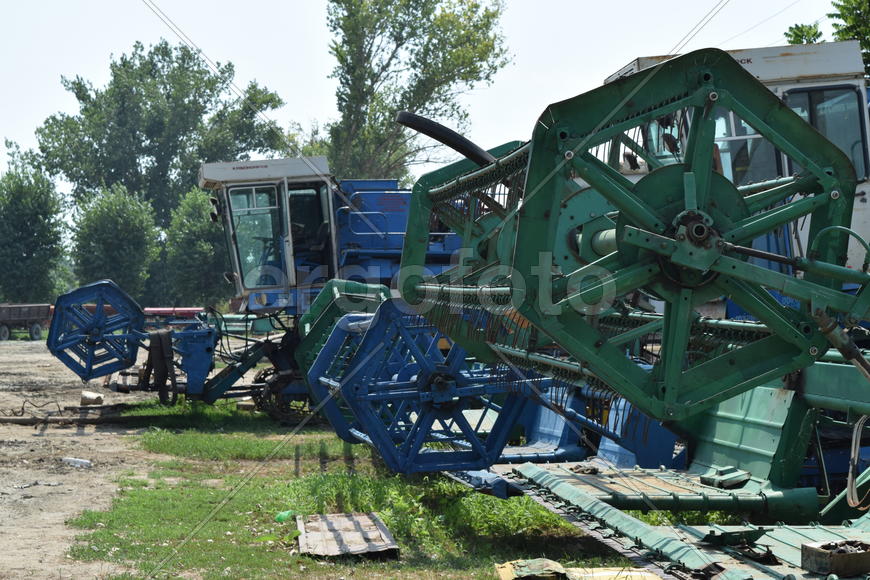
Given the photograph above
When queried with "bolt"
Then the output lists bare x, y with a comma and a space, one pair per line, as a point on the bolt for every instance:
569, 155
835, 194
720, 243
713, 96
814, 351
681, 237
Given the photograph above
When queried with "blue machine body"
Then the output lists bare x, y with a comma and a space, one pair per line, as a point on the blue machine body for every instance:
353, 230
290, 228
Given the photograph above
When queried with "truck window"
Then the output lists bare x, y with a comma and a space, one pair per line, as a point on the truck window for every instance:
665, 136
746, 157
837, 114
256, 223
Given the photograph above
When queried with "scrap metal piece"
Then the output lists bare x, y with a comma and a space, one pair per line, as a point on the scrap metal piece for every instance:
736, 538
843, 558
342, 534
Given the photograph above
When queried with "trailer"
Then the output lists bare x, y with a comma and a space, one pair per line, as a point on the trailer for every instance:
30, 317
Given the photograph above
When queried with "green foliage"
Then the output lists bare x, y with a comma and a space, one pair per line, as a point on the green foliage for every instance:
689, 518
307, 143
413, 55
30, 230
115, 238
63, 276
158, 289
443, 529
196, 253
851, 21
162, 113
803, 33
434, 518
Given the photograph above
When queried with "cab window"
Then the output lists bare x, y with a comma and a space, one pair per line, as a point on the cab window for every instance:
306, 215
837, 114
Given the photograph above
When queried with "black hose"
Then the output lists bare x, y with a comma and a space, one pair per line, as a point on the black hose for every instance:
445, 136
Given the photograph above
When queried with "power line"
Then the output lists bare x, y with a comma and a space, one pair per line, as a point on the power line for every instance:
704, 21
751, 28
273, 126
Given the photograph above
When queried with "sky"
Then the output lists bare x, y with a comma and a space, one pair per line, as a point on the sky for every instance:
558, 49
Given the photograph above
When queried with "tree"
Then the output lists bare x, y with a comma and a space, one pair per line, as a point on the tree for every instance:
851, 21
307, 143
196, 253
162, 113
414, 55
116, 238
30, 230
803, 33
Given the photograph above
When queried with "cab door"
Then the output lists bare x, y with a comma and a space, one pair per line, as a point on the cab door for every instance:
260, 244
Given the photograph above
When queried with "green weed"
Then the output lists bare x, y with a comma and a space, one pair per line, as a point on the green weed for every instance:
444, 529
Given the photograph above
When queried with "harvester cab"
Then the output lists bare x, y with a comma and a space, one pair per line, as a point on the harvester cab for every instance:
290, 227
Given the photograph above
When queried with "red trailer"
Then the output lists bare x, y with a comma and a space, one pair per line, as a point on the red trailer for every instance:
31, 317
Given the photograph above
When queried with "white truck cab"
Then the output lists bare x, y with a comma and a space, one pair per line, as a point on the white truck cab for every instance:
823, 83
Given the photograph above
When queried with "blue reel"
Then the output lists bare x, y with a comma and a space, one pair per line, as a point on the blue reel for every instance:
96, 330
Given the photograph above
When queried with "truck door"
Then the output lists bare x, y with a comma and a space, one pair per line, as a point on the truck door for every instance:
310, 231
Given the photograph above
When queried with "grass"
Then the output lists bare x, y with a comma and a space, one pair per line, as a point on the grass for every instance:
689, 518
199, 445
222, 417
24, 334
443, 529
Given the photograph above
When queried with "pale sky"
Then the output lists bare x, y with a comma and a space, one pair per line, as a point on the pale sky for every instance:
559, 49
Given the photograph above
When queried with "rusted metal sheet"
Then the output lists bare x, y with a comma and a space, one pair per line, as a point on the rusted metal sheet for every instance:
341, 534
544, 569
843, 557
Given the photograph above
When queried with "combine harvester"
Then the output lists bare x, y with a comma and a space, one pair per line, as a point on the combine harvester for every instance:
587, 255
291, 230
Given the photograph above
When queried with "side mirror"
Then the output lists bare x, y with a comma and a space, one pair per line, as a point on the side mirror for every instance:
216, 204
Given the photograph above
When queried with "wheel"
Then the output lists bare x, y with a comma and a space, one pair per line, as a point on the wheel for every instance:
35, 331
4, 332
269, 398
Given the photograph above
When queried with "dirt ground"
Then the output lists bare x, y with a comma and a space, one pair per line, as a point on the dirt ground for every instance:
38, 491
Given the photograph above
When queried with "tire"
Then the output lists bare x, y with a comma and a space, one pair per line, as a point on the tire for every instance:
35, 331
4, 332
